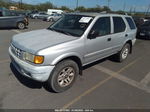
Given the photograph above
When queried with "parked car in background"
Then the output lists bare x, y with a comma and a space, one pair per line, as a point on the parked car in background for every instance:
52, 17
56, 55
53, 11
144, 30
138, 21
39, 15
31, 13
8, 19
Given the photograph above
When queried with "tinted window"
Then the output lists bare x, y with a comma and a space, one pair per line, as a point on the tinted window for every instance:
130, 22
119, 25
102, 26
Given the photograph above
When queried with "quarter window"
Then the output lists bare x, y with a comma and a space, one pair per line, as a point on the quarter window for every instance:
131, 23
102, 26
119, 25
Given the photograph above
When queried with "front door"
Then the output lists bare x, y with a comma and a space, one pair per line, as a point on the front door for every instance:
100, 46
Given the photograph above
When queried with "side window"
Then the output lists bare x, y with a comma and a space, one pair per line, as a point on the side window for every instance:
131, 23
102, 26
119, 25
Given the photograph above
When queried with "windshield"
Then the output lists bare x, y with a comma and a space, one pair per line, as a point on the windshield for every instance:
74, 25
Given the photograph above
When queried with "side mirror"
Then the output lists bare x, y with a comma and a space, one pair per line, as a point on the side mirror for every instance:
93, 34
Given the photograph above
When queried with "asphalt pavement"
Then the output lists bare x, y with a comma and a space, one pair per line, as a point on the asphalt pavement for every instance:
104, 84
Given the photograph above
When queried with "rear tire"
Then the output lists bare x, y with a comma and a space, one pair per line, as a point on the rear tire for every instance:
63, 76
35, 17
123, 54
21, 25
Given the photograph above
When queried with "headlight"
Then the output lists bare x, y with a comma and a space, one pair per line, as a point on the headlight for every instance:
33, 58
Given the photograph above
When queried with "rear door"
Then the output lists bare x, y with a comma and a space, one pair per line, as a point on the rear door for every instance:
119, 33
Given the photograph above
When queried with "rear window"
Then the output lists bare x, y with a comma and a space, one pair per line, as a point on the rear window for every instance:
131, 23
119, 25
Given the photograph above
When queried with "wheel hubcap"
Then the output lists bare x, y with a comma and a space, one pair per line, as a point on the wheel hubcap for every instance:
66, 76
125, 53
21, 25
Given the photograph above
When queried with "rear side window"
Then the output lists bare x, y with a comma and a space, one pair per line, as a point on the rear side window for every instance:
119, 25
102, 26
131, 23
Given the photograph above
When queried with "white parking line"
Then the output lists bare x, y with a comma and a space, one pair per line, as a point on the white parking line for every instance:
123, 78
97, 85
145, 80
16, 31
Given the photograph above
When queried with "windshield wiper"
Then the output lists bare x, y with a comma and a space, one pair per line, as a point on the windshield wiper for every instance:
50, 29
61, 31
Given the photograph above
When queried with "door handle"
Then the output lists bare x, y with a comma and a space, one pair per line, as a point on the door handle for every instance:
109, 39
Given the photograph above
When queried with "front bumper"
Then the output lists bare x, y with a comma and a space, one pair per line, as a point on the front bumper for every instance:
38, 73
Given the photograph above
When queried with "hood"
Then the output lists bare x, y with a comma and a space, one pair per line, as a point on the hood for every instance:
39, 39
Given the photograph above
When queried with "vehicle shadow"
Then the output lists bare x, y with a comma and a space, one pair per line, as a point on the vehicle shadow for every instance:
11, 28
24, 80
27, 81
110, 58
7, 28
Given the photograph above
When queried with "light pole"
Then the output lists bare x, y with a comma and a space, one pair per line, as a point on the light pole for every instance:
77, 4
124, 6
108, 3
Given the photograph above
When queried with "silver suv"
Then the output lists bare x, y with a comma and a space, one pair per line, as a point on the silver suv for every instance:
57, 54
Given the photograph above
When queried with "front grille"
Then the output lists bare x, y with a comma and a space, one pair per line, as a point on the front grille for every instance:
16, 51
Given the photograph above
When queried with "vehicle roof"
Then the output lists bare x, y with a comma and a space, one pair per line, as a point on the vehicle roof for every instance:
96, 14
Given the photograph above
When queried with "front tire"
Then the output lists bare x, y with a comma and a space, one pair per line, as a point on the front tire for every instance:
21, 25
63, 76
123, 54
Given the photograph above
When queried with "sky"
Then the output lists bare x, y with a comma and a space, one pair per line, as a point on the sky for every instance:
137, 5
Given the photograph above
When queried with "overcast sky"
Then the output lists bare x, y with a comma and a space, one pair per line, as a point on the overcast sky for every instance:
138, 5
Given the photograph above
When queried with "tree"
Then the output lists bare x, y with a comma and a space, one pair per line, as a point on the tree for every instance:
64, 8
81, 9
44, 6
106, 8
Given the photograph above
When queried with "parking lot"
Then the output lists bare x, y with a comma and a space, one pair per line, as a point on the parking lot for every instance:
104, 84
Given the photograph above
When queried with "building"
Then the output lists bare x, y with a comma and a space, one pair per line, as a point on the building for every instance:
13, 8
